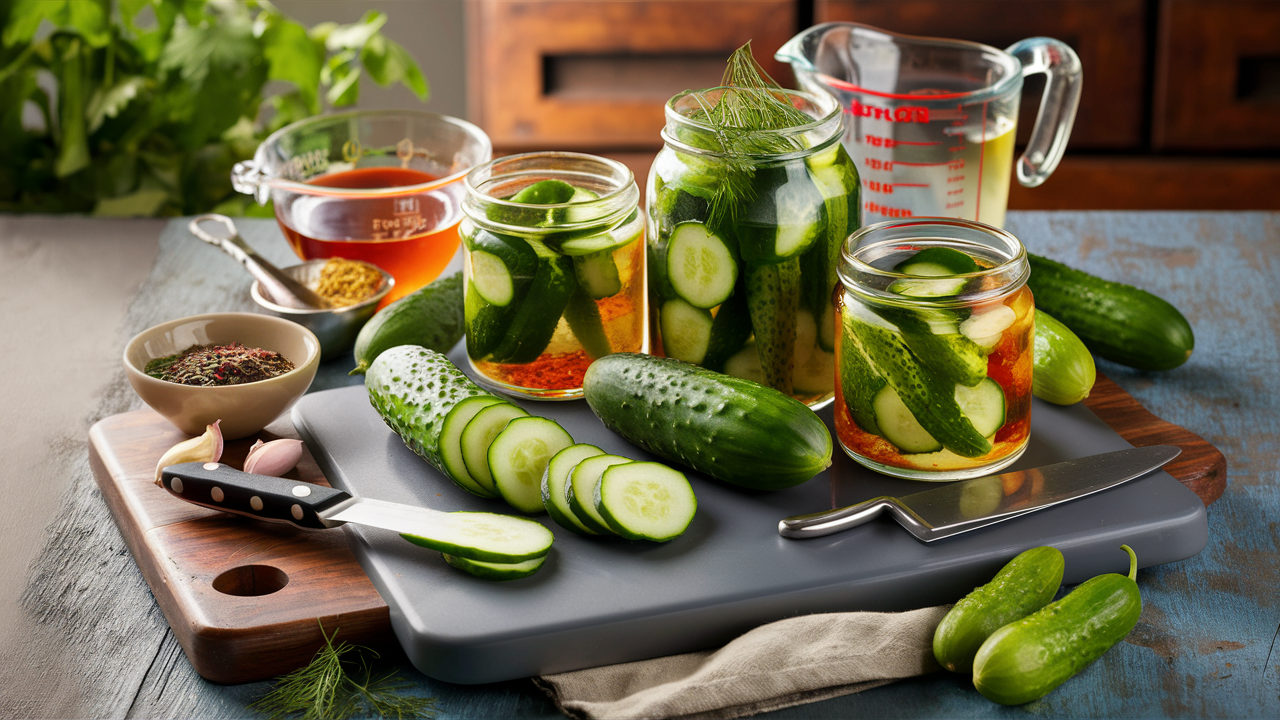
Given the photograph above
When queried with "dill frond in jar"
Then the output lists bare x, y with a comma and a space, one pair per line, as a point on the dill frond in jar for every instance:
347, 282
230, 364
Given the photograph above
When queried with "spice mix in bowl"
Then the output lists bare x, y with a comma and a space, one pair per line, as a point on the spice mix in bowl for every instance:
244, 369
354, 290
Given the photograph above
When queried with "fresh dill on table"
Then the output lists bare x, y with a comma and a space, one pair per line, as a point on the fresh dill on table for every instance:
335, 687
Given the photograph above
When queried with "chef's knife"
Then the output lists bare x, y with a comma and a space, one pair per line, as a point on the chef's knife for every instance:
971, 504
488, 537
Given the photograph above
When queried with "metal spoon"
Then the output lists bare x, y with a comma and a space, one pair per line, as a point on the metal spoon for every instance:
283, 289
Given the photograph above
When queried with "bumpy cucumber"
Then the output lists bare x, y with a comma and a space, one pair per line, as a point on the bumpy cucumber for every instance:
430, 317
773, 297
929, 397
413, 388
950, 355
1118, 322
535, 320
1063, 372
1028, 658
730, 429
859, 381
1026, 584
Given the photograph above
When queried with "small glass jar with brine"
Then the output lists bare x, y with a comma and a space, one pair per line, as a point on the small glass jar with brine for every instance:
935, 349
554, 270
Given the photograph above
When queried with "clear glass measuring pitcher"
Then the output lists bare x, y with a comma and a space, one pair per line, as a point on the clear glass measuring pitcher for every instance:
932, 121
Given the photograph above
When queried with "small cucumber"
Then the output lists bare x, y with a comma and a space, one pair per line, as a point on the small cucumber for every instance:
1028, 658
413, 388
1118, 322
773, 298
1063, 371
859, 380
430, 317
1024, 585
949, 353
730, 429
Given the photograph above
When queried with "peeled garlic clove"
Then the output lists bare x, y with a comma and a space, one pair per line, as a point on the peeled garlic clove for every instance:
274, 458
206, 448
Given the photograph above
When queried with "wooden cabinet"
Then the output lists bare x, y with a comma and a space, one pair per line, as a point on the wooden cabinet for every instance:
1180, 108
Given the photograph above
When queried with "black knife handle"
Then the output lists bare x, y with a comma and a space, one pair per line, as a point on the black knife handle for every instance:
222, 487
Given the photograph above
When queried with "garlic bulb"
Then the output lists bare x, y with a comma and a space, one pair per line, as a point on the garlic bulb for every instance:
206, 448
274, 458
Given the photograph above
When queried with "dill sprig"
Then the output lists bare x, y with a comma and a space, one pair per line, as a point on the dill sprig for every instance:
749, 108
328, 689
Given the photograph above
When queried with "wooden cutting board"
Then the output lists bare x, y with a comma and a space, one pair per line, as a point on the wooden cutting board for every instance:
247, 599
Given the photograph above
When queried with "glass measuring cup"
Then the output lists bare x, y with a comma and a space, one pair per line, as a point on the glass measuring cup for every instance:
932, 121
383, 187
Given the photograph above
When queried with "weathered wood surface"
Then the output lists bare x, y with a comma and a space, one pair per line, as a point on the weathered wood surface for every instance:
1203, 647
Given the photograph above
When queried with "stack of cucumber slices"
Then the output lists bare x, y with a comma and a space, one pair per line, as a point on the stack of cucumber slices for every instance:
491, 447
918, 376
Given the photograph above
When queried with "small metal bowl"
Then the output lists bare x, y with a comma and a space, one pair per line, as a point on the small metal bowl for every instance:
336, 328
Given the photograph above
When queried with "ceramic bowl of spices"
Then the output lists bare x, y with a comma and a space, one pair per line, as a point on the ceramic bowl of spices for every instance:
352, 287
244, 369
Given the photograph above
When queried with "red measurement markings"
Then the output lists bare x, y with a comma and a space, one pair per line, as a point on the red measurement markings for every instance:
957, 164
957, 191
954, 205
957, 148
877, 208
877, 141
877, 186
955, 179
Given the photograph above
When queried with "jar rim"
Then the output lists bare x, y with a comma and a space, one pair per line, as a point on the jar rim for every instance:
854, 270
830, 124
624, 196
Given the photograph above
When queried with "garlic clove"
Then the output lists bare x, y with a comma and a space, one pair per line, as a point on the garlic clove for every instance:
205, 448
274, 458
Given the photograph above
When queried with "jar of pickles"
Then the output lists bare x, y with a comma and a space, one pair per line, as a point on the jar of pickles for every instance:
935, 349
554, 270
745, 230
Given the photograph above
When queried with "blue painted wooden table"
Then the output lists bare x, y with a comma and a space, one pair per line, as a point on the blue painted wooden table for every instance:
1204, 645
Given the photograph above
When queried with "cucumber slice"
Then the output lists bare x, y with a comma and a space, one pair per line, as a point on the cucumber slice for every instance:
546, 192
487, 537
939, 262
451, 442
985, 328
553, 486
730, 330
773, 297
518, 457
597, 275
983, 404
583, 317
686, 331
496, 571
700, 265
787, 217
478, 434
491, 278
745, 364
580, 491
899, 426
645, 501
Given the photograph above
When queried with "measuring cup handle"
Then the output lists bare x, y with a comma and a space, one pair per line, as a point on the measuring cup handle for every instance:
1058, 105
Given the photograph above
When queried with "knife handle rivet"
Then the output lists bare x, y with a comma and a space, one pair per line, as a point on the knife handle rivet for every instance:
176, 484
255, 502
211, 466
301, 491
216, 494
296, 510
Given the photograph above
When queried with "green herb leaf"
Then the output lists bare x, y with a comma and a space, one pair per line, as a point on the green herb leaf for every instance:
292, 55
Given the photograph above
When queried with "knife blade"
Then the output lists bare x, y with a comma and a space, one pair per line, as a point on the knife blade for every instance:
967, 505
487, 537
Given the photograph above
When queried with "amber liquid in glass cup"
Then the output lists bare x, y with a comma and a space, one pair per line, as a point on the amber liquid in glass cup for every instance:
934, 375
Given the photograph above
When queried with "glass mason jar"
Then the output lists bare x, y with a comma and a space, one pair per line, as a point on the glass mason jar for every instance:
937, 330
743, 248
554, 269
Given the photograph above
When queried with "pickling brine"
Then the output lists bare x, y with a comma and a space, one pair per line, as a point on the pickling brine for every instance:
554, 270
935, 349
745, 231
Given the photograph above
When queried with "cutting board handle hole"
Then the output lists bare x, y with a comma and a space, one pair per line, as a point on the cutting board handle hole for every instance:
251, 581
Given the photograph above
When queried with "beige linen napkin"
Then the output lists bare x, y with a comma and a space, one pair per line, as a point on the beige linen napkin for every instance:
785, 663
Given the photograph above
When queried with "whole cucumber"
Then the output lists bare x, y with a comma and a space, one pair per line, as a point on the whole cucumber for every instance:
733, 430
1062, 370
430, 316
1118, 322
1026, 659
1026, 584
413, 388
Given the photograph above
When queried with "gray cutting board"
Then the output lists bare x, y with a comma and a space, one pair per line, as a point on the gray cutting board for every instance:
599, 601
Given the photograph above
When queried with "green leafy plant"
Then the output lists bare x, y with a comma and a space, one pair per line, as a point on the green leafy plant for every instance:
141, 107
326, 689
